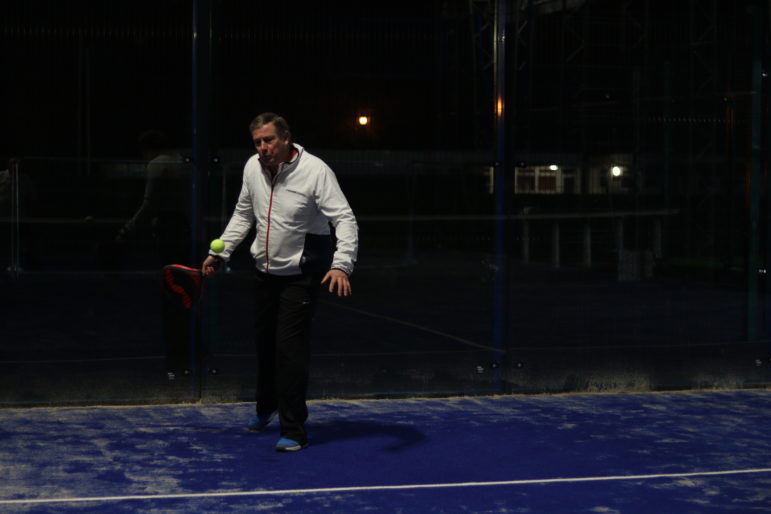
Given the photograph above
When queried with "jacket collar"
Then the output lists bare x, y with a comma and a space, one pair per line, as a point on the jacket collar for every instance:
286, 167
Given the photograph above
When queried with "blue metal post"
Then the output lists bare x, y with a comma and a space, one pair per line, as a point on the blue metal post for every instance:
201, 145
500, 193
753, 250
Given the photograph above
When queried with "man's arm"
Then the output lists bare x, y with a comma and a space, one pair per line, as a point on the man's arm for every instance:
333, 204
236, 230
145, 210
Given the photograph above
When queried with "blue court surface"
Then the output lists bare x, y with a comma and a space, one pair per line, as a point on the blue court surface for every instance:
674, 452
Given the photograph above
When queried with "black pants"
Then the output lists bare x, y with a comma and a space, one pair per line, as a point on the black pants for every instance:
284, 309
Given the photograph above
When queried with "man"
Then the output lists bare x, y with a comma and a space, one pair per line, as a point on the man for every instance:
291, 197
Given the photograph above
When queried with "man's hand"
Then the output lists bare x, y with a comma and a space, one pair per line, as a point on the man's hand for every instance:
210, 265
338, 282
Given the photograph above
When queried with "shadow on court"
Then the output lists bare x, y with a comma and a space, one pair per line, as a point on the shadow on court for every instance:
401, 437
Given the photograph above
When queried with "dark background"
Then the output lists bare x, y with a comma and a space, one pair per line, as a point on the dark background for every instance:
673, 294
100, 72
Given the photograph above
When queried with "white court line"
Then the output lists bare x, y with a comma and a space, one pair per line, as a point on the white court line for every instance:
280, 492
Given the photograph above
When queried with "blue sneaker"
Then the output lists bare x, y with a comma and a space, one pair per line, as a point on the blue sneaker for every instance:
257, 423
289, 445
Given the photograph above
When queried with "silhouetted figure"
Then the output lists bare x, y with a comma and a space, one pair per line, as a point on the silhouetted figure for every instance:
166, 209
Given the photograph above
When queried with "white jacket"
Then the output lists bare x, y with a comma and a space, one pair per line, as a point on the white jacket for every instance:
303, 198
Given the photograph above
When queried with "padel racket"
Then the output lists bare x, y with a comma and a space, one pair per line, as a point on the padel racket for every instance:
183, 285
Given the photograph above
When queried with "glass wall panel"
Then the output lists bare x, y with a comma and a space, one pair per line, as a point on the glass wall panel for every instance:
96, 103
639, 211
551, 196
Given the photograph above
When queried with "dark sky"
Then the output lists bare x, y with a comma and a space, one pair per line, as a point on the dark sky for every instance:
88, 77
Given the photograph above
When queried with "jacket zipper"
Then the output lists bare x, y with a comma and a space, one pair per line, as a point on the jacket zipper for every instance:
270, 213
267, 230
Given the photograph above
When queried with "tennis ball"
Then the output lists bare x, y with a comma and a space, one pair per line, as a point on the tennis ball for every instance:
217, 245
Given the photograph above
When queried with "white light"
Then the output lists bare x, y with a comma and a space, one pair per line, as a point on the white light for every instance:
363, 120
554, 167
615, 171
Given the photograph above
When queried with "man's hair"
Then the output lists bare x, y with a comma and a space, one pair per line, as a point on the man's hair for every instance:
282, 127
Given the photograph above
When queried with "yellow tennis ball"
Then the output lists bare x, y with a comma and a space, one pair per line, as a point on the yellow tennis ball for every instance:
217, 245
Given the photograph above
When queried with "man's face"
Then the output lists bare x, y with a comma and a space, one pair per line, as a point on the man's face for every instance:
272, 147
